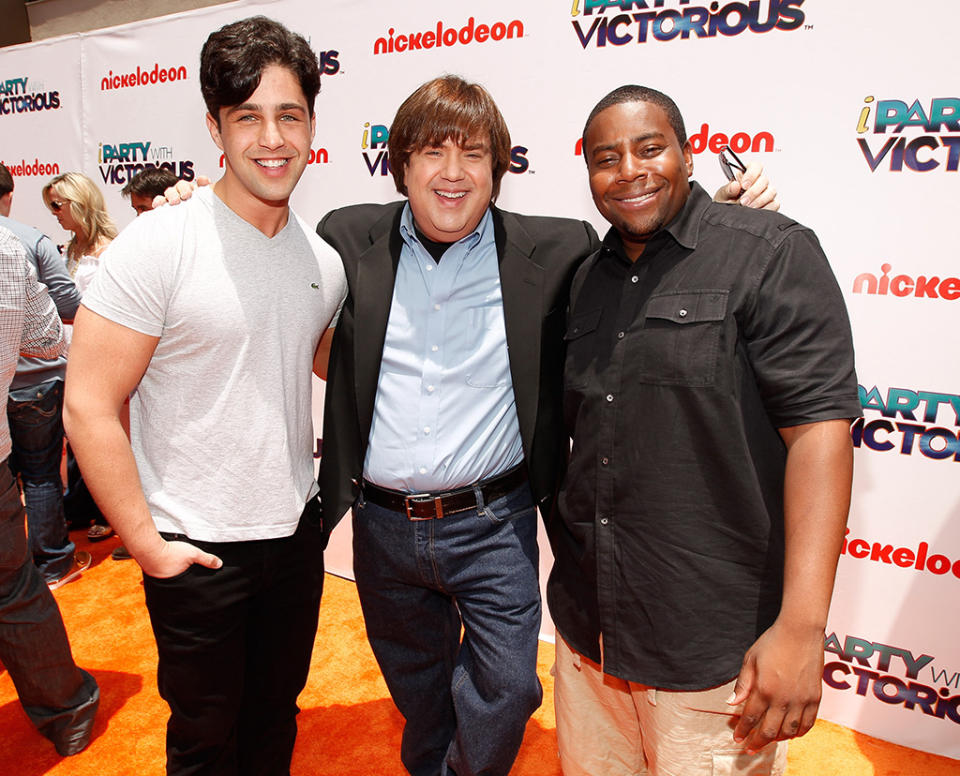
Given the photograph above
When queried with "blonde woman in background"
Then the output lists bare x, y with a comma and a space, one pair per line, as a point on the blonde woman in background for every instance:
78, 206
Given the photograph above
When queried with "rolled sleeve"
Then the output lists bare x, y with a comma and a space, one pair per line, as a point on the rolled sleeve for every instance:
798, 337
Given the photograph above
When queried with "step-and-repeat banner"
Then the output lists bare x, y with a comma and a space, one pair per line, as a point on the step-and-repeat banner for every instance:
854, 109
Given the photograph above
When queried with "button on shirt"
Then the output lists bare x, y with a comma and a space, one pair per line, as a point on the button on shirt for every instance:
445, 414
681, 367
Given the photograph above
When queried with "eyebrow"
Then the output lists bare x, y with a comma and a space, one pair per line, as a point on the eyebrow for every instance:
253, 106
634, 140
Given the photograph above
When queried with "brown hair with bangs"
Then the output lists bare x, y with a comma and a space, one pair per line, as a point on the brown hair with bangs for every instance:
448, 108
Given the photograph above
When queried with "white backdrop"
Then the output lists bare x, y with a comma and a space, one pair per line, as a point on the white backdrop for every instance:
854, 111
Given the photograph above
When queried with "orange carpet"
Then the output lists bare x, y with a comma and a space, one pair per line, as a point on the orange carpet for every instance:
348, 726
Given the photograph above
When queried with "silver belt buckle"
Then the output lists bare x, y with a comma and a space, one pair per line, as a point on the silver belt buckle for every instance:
424, 499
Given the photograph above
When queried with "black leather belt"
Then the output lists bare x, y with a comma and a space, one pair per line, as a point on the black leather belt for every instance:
430, 506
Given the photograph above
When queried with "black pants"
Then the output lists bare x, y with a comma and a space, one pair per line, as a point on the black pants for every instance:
60, 699
234, 648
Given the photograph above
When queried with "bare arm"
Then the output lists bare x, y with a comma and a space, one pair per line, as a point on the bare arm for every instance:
780, 681
322, 355
106, 362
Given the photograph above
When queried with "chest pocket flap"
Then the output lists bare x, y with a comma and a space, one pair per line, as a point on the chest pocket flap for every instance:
582, 323
581, 349
670, 349
688, 306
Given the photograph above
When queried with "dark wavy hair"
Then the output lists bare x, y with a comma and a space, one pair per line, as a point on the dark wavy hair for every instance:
448, 108
234, 57
149, 182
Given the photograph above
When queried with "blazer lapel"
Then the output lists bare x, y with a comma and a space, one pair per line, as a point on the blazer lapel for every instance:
376, 273
521, 282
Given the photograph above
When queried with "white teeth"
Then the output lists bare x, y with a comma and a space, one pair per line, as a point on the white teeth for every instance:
452, 194
272, 162
640, 198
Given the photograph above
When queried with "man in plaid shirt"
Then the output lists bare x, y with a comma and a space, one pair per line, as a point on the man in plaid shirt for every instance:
60, 698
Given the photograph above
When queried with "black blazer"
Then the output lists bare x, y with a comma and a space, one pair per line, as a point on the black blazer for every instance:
538, 257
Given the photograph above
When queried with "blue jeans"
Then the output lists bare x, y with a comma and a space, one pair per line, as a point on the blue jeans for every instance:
466, 702
36, 429
59, 698
234, 648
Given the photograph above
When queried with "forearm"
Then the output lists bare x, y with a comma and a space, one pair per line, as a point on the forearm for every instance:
818, 476
110, 472
322, 355
780, 681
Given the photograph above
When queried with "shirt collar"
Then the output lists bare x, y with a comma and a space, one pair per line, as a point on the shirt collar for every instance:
684, 228
482, 233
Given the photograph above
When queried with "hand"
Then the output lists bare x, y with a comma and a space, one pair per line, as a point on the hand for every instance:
174, 558
750, 189
179, 192
779, 686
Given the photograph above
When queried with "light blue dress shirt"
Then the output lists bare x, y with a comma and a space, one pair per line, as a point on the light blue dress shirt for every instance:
445, 414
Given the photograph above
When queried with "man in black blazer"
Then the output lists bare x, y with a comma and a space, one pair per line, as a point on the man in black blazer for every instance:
443, 426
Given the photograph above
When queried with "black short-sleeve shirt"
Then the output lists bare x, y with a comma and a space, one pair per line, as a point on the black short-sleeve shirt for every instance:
680, 369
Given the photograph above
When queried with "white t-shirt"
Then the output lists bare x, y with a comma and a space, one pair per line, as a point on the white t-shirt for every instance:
221, 423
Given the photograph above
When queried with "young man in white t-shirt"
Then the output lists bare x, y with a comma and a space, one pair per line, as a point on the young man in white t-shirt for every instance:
211, 314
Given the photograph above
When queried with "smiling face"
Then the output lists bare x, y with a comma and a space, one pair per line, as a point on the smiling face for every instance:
450, 187
638, 170
266, 144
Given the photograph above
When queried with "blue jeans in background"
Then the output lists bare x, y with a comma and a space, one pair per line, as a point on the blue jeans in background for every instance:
466, 703
36, 429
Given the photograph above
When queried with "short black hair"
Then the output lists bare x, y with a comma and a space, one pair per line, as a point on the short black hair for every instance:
149, 182
6, 180
633, 93
234, 57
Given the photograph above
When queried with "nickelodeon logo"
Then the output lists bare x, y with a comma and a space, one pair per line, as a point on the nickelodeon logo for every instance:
140, 77
704, 140
923, 286
918, 558
761, 142
441, 36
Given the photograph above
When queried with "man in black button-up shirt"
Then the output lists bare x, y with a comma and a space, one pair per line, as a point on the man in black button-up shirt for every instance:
709, 388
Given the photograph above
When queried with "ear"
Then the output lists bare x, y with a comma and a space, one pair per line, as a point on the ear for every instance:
688, 158
313, 127
214, 131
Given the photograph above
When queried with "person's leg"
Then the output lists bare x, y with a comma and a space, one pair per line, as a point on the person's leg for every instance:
488, 560
199, 620
78, 505
60, 699
597, 727
35, 415
691, 734
413, 627
280, 637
